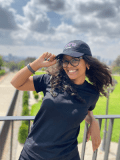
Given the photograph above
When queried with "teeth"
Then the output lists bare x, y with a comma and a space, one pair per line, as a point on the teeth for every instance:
72, 70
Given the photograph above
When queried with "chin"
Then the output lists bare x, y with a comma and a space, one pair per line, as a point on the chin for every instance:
73, 78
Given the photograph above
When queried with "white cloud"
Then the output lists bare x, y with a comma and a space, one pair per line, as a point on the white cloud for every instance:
6, 3
7, 19
95, 22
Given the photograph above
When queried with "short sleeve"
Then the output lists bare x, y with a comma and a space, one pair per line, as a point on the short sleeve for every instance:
40, 82
94, 103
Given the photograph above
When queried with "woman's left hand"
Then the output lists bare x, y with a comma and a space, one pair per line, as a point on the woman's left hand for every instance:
94, 132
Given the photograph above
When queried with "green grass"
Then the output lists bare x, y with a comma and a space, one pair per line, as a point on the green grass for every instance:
100, 109
113, 109
39, 72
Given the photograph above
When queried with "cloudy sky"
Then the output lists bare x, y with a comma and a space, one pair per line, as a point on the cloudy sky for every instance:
32, 27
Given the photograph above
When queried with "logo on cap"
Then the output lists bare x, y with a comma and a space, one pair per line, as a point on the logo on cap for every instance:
69, 45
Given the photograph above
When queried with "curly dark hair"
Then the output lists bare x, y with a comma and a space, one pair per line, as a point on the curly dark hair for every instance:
99, 76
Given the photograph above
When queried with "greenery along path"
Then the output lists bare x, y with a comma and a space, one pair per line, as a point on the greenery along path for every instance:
100, 109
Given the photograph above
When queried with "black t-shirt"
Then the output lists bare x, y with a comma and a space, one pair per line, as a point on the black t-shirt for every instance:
57, 123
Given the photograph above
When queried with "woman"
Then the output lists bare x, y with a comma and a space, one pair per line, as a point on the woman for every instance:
68, 100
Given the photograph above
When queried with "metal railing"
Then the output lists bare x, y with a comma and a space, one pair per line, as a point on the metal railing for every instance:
6, 125
99, 117
107, 147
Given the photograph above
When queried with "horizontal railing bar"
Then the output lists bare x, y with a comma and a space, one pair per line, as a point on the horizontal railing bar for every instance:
17, 118
106, 116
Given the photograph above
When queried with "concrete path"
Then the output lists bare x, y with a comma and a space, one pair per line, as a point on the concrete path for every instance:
6, 93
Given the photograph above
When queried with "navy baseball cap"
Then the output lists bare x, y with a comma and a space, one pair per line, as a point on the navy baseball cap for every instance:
75, 48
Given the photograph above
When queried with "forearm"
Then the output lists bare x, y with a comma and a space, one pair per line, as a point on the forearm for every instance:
21, 76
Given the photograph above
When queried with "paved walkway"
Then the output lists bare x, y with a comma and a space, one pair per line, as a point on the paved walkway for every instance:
6, 93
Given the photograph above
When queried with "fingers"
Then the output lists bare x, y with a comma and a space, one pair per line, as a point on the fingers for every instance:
95, 143
49, 57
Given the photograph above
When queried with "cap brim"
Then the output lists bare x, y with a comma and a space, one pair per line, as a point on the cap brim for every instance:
72, 54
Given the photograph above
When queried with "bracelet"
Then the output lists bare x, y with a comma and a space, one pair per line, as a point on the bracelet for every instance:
28, 66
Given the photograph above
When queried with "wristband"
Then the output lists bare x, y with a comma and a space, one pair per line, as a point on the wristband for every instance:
28, 66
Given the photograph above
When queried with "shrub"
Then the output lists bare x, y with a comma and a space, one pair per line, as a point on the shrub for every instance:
25, 98
25, 111
23, 130
23, 133
25, 94
116, 69
25, 122
25, 101
2, 72
36, 96
34, 92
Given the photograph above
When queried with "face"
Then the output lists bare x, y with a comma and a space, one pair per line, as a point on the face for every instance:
76, 74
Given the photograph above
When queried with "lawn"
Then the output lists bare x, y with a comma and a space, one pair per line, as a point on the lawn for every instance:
114, 109
100, 109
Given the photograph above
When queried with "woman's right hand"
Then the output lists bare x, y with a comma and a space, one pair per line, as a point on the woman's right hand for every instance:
45, 63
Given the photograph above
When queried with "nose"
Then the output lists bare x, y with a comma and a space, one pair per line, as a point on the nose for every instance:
69, 65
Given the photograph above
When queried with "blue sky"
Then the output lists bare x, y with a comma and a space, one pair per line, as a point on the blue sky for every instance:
32, 27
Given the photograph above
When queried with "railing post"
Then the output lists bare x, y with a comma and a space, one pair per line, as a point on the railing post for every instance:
105, 127
84, 141
95, 152
118, 151
11, 143
28, 126
108, 139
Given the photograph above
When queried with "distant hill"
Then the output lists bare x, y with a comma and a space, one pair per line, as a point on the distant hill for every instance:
10, 57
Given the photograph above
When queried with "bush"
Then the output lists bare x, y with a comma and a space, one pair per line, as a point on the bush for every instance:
25, 98
23, 133
25, 94
23, 130
25, 101
34, 92
25, 122
36, 96
116, 69
2, 72
25, 111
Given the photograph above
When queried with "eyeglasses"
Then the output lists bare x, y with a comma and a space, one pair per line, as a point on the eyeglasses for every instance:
74, 62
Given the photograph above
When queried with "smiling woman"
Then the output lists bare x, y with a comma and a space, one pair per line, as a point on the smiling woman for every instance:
68, 100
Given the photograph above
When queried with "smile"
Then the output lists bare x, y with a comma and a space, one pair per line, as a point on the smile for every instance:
72, 71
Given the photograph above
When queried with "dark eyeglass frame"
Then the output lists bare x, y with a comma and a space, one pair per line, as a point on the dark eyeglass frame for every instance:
78, 59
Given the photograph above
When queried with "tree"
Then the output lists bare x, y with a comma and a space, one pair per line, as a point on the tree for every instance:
117, 61
29, 60
116, 65
21, 64
12, 66
1, 62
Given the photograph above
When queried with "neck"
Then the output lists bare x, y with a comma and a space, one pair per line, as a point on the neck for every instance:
79, 81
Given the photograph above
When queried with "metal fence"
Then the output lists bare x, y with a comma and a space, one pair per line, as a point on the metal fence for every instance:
94, 157
6, 125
